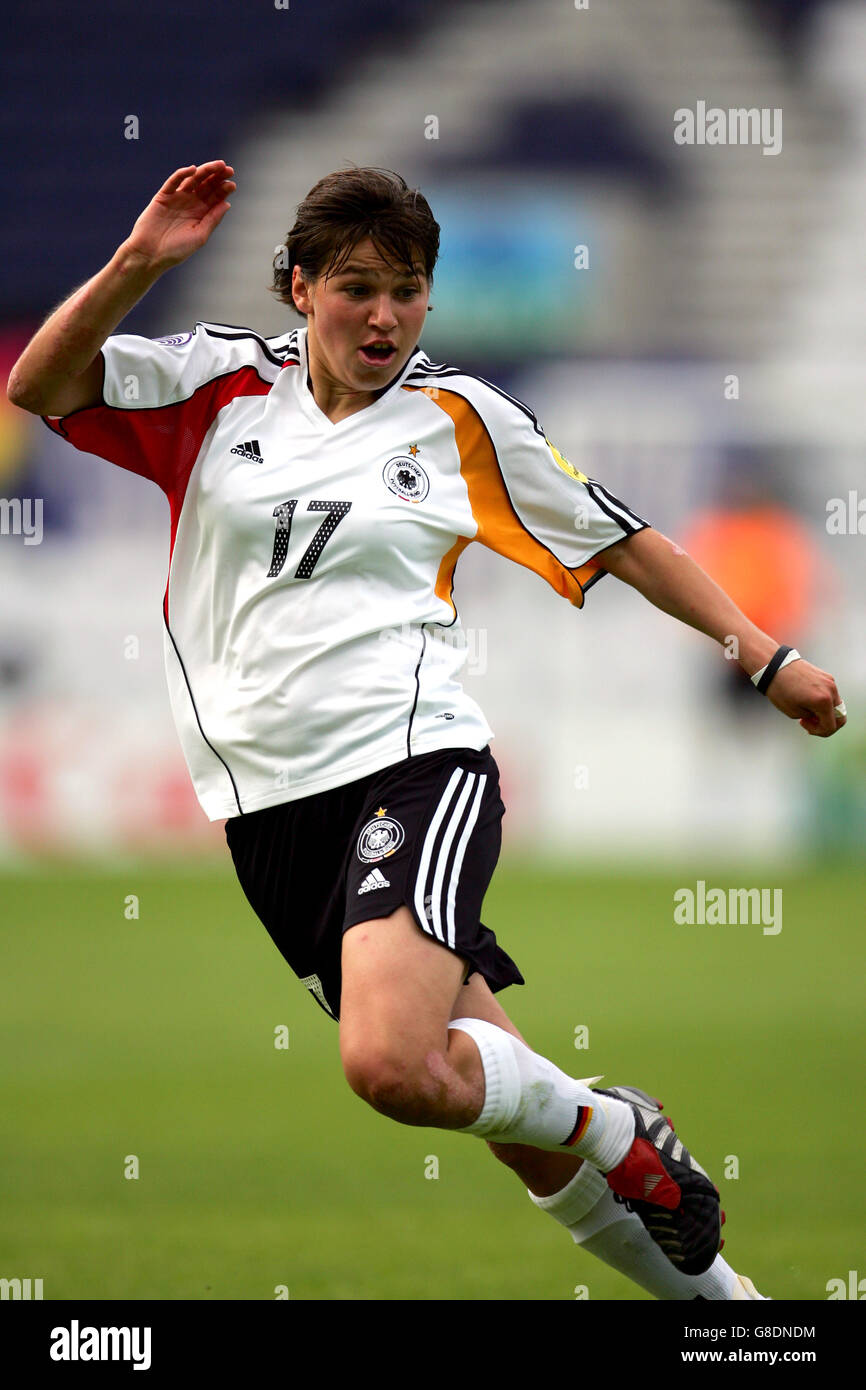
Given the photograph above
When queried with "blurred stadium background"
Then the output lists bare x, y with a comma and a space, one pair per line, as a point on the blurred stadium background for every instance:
706, 363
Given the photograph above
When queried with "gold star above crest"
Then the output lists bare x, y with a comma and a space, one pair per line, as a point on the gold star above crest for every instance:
414, 449
381, 811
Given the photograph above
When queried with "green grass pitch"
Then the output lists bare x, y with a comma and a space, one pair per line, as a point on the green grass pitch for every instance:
258, 1168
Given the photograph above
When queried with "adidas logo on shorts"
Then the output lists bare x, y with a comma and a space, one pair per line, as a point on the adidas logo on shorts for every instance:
374, 880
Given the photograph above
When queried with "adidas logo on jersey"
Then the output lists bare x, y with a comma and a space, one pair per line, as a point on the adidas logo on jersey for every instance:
249, 450
374, 880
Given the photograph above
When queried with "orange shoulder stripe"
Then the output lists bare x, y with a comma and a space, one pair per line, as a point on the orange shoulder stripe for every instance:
499, 526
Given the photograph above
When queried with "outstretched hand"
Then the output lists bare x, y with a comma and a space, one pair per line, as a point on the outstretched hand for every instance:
180, 218
807, 693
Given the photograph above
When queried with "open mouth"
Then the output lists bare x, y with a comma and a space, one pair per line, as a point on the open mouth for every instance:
378, 354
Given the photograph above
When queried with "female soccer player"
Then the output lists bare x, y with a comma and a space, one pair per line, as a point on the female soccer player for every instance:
322, 486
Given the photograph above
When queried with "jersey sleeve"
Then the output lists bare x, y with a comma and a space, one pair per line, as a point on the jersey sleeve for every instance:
159, 398
531, 504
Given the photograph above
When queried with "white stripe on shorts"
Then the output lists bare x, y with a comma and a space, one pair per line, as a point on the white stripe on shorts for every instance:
430, 918
437, 897
458, 858
427, 851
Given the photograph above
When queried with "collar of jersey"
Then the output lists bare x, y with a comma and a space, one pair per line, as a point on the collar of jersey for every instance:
308, 400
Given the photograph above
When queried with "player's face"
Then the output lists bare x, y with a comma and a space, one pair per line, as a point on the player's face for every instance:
363, 322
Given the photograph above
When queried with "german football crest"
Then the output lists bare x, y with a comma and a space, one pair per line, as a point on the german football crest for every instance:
406, 478
380, 838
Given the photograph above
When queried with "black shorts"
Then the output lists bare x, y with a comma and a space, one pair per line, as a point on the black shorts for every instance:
425, 832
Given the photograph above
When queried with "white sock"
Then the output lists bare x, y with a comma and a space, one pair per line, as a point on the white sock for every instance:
527, 1100
586, 1207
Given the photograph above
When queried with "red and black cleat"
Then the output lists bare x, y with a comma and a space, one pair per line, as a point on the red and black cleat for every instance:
663, 1185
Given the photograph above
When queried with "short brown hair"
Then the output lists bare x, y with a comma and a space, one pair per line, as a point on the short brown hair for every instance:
347, 207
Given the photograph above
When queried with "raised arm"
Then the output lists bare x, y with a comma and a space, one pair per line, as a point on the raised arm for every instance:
61, 368
667, 576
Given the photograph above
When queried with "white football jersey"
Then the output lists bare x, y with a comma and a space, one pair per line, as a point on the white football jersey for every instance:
311, 636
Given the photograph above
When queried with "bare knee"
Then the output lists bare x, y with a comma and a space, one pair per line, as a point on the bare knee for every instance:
393, 1085
424, 1086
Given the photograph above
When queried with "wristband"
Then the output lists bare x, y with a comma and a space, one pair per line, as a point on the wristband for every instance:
784, 656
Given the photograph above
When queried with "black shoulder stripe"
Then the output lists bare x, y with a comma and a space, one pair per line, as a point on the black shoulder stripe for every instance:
446, 371
435, 368
616, 502
239, 335
401, 377
425, 361
217, 323
617, 511
514, 401
285, 343
435, 376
